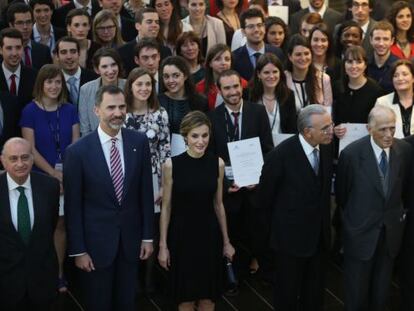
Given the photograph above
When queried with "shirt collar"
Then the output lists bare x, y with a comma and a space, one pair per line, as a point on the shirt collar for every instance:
104, 138
76, 75
252, 52
13, 185
80, 6
396, 99
321, 12
307, 148
230, 111
36, 33
378, 150
365, 28
8, 73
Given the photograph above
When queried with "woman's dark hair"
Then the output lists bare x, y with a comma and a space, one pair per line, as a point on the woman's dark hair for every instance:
343, 27
311, 85
108, 52
392, 17
49, 71
175, 26
192, 37
183, 66
77, 12
239, 6
213, 52
355, 52
324, 29
256, 85
274, 20
402, 62
135, 73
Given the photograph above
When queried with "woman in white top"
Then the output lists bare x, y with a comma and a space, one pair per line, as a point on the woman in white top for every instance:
209, 29
401, 101
309, 85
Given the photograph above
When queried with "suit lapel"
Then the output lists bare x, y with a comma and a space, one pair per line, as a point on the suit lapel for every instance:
370, 166
38, 203
303, 160
3, 82
245, 120
130, 157
245, 59
394, 166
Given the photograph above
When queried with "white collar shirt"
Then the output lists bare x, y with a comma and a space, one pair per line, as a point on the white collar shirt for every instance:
8, 73
106, 144
14, 195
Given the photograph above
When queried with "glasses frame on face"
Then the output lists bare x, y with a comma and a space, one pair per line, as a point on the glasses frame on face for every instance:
254, 26
357, 5
326, 129
105, 28
27, 22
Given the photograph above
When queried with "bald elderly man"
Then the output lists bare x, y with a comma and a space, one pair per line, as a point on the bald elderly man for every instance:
29, 204
372, 185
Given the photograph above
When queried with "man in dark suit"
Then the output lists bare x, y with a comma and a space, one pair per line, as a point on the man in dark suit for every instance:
245, 57
372, 178
293, 5
28, 215
127, 26
10, 111
109, 206
20, 17
147, 23
15, 79
329, 16
59, 15
67, 53
234, 120
294, 191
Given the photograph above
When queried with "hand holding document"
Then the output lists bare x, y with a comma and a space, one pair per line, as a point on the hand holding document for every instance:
354, 131
246, 160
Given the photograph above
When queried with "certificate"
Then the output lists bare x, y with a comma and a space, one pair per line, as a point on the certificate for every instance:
279, 137
246, 161
177, 144
354, 131
281, 11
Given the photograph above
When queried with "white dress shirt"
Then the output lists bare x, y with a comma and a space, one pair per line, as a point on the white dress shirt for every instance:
14, 195
106, 143
364, 29
378, 150
308, 149
80, 6
8, 73
239, 119
321, 12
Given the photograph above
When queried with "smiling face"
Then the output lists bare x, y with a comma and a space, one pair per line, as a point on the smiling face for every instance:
269, 75
381, 41
42, 14
231, 90
12, 52
196, 8
197, 140
355, 68
221, 62
111, 112
52, 87
68, 57
164, 9
174, 80
276, 35
150, 25
254, 30
403, 20
351, 36
108, 70
319, 43
17, 160
142, 87
113, 5
403, 79
190, 50
301, 57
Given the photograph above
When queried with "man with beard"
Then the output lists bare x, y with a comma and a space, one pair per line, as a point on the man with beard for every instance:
379, 65
109, 206
245, 57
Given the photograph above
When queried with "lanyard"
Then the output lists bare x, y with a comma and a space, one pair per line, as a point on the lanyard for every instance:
275, 110
54, 131
302, 99
234, 137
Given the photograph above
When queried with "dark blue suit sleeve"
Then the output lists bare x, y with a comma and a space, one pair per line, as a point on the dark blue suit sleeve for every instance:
146, 193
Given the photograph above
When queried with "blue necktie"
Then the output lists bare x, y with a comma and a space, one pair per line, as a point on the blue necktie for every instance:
315, 165
73, 90
383, 163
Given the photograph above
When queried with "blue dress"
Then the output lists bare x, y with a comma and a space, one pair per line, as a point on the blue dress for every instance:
46, 128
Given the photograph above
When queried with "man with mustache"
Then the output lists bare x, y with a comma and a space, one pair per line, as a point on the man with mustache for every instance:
109, 206
372, 184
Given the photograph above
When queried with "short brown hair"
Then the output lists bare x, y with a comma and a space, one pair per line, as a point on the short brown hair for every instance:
49, 71
10, 33
383, 25
192, 37
193, 120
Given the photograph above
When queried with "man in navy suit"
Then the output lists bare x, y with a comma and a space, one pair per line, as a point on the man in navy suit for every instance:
245, 57
109, 206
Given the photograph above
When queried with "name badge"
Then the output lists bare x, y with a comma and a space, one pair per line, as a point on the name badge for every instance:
228, 171
59, 166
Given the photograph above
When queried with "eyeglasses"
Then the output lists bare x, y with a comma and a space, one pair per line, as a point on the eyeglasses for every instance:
105, 28
22, 23
253, 26
326, 129
357, 5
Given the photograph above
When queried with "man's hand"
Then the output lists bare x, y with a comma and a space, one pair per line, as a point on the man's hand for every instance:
233, 188
146, 250
84, 262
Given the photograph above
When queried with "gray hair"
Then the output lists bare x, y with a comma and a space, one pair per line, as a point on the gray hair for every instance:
379, 110
110, 89
305, 114
16, 140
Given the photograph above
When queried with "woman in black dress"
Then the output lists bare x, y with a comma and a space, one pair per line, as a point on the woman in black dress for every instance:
193, 229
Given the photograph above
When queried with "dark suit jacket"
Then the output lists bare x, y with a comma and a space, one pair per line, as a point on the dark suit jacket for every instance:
330, 18
366, 207
11, 116
86, 76
127, 54
59, 15
297, 201
27, 81
294, 6
40, 55
95, 221
29, 269
128, 30
242, 63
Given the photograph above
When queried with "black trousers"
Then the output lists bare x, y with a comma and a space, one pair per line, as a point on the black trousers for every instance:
367, 282
299, 282
27, 304
112, 288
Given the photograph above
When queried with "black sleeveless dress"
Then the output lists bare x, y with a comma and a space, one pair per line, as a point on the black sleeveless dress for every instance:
194, 236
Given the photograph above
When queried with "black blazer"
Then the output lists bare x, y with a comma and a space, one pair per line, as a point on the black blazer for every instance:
29, 269
12, 110
244, 66
294, 6
330, 18
128, 30
366, 208
40, 55
26, 84
59, 15
86, 76
127, 53
409, 230
297, 201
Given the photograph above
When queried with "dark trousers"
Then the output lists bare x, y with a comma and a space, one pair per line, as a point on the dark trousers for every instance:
27, 304
367, 282
111, 288
299, 282
406, 275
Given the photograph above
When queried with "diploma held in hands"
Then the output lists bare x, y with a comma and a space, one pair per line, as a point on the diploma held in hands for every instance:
354, 131
246, 160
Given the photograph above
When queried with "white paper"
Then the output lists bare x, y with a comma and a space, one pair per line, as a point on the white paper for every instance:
354, 131
177, 144
246, 161
281, 11
279, 137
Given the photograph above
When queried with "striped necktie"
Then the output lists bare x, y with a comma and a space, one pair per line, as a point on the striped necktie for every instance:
116, 170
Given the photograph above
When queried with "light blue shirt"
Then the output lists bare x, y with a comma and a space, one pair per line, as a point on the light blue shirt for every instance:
252, 52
